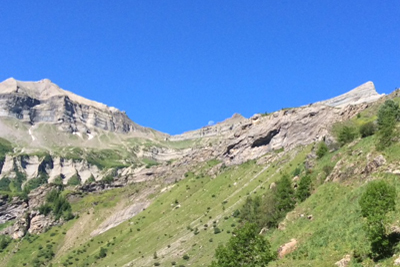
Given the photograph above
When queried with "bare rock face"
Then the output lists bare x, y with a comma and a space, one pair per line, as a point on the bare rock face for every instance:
374, 164
20, 227
53, 167
344, 262
287, 248
284, 129
10, 210
44, 101
40, 223
364, 93
219, 129
37, 197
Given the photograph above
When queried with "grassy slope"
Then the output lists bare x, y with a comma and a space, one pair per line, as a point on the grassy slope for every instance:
162, 228
168, 231
336, 228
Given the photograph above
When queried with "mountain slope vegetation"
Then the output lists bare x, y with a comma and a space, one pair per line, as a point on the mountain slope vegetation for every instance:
179, 212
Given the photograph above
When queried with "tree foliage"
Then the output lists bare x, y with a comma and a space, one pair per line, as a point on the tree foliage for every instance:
322, 149
245, 248
58, 204
346, 134
285, 200
388, 115
377, 200
267, 211
304, 188
367, 129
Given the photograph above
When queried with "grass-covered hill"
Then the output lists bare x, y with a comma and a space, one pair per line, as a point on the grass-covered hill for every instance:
182, 223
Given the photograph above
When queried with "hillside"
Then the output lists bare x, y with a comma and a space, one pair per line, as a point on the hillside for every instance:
160, 200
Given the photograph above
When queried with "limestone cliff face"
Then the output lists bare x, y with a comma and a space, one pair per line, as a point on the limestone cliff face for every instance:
44, 101
53, 167
364, 93
240, 139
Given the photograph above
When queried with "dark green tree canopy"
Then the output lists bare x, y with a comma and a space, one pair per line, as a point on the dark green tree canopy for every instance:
285, 200
388, 115
388, 112
246, 248
378, 199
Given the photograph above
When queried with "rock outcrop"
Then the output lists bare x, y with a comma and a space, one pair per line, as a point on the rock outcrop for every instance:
44, 101
11, 209
344, 262
287, 248
364, 93
32, 165
25, 213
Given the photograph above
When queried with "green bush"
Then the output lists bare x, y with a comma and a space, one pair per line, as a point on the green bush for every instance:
58, 180
35, 182
5, 147
45, 209
246, 248
4, 241
107, 179
285, 200
304, 189
378, 199
346, 134
322, 149
102, 253
90, 180
58, 204
388, 115
74, 180
367, 129
217, 230
327, 169
5, 184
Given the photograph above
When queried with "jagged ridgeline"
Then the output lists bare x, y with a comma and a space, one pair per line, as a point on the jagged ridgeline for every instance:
83, 185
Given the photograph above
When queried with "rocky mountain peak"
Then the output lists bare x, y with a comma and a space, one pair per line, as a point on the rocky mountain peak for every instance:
364, 93
45, 89
45, 102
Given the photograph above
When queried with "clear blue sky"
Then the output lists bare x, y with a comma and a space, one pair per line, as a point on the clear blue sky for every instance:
176, 65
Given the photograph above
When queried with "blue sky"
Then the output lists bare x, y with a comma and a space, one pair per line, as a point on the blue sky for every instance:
176, 65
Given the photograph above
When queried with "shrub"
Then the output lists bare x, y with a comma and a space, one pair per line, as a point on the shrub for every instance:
35, 182
107, 179
74, 180
377, 200
58, 204
45, 209
246, 248
304, 189
186, 257
388, 115
58, 180
346, 134
284, 195
90, 180
327, 169
217, 230
322, 149
367, 129
4, 241
102, 252
297, 171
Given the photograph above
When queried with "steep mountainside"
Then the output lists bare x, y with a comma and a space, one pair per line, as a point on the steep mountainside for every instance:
44, 101
139, 197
